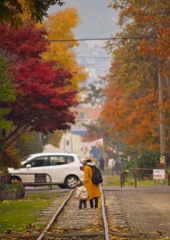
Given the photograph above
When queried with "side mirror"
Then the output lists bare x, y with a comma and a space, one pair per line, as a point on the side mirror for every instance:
28, 166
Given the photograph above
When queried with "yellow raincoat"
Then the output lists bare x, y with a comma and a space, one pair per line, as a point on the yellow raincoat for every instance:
93, 189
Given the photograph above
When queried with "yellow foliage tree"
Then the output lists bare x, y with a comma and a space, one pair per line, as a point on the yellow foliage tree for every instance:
62, 43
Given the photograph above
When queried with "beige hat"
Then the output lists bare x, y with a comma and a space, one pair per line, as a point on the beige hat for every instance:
86, 157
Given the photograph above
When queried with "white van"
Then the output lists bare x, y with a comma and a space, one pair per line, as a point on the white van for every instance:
62, 169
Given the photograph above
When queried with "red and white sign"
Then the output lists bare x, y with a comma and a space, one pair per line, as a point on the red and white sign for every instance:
158, 174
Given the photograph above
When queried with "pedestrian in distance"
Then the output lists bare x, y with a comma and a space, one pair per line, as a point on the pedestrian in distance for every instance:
82, 195
93, 189
101, 163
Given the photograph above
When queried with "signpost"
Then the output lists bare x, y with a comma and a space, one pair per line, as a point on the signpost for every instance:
158, 174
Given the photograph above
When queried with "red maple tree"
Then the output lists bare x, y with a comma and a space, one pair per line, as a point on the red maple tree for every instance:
43, 95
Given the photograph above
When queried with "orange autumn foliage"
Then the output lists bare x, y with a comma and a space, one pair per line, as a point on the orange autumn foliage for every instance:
132, 105
133, 118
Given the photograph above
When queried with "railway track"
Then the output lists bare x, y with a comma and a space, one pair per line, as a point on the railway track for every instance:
107, 222
68, 222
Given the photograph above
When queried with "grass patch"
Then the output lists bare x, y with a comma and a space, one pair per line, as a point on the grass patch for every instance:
19, 214
110, 180
152, 182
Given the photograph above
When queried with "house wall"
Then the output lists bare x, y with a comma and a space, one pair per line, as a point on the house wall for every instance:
69, 143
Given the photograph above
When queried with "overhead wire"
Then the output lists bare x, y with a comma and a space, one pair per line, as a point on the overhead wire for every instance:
103, 39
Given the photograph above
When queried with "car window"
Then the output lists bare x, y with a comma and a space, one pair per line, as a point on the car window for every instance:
69, 159
57, 160
60, 160
49, 161
38, 162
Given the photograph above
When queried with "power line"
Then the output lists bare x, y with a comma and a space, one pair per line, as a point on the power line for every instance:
102, 39
94, 57
91, 57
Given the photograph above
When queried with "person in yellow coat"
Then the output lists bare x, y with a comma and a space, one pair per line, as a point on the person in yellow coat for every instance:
93, 189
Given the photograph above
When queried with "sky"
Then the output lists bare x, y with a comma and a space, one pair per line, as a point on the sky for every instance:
97, 21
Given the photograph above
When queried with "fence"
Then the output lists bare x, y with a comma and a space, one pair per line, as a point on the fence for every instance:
133, 172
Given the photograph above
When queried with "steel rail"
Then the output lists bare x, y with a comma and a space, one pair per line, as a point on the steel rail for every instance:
54, 216
106, 228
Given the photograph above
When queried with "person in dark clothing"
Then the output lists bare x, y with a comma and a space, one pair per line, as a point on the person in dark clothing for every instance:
101, 163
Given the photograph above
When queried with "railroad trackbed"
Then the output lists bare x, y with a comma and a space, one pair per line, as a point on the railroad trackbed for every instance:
73, 223
63, 220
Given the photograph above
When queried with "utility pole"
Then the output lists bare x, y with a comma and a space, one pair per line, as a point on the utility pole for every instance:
161, 117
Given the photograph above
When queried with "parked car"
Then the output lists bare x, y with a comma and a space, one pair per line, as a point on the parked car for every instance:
62, 169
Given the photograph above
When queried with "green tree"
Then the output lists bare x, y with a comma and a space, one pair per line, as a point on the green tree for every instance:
29, 143
146, 160
12, 11
7, 94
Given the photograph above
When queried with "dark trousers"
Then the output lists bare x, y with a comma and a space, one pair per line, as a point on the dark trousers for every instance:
94, 203
82, 203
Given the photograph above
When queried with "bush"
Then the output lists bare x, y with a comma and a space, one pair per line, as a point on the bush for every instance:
146, 160
16, 186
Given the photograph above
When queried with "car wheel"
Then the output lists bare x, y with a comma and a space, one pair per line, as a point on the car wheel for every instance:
15, 179
62, 185
71, 181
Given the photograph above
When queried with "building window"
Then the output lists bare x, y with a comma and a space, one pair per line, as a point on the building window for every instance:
83, 115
